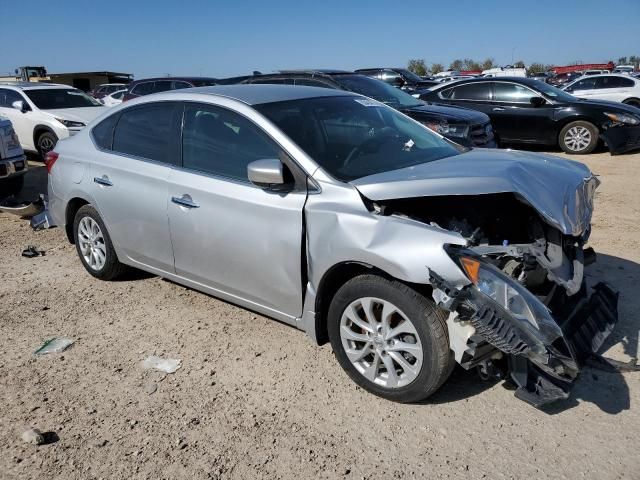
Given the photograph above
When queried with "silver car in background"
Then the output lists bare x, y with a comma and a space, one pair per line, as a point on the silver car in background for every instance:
338, 215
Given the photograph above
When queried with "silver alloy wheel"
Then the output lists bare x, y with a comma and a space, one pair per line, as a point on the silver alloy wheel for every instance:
381, 342
577, 138
91, 242
46, 144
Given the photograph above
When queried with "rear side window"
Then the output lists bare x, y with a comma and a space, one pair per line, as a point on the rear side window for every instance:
470, 91
144, 88
222, 143
148, 132
613, 82
103, 132
162, 86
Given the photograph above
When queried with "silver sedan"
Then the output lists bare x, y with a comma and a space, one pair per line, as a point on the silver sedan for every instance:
340, 216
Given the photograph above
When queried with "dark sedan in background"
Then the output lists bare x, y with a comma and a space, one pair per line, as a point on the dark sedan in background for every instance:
461, 125
148, 86
527, 111
398, 77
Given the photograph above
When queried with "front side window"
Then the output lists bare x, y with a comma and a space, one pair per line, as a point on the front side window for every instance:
7, 97
177, 85
148, 132
353, 137
220, 142
162, 86
512, 92
469, 91
585, 84
54, 98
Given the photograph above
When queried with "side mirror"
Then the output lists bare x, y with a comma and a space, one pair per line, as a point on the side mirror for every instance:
537, 101
267, 173
20, 105
398, 82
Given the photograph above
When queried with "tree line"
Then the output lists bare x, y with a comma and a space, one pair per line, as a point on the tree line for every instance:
420, 67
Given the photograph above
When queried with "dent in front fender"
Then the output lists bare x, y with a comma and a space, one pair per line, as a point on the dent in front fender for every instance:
340, 229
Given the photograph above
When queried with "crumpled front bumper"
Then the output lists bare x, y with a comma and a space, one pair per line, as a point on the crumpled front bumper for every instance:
622, 139
539, 378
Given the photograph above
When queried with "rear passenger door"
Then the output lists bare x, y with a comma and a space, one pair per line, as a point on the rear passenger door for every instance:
242, 242
137, 149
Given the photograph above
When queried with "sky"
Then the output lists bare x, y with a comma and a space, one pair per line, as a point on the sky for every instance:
220, 39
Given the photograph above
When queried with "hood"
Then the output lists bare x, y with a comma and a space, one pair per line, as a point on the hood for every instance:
612, 106
446, 112
83, 114
560, 190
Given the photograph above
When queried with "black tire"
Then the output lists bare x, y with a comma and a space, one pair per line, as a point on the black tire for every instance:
46, 142
112, 267
11, 186
579, 125
428, 320
634, 102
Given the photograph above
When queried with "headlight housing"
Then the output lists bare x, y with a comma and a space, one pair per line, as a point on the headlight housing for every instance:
530, 313
447, 129
70, 123
623, 118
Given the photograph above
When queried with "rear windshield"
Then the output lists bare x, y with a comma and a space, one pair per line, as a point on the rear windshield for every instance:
54, 98
378, 90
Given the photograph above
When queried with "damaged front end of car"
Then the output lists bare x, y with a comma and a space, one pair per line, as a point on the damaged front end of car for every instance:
522, 309
527, 313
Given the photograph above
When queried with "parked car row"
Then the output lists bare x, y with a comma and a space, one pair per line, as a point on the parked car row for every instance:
339, 215
527, 111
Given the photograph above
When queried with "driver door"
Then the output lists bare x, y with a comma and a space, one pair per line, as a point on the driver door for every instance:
22, 121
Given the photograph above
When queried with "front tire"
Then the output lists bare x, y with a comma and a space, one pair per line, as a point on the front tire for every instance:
94, 246
46, 142
578, 138
390, 339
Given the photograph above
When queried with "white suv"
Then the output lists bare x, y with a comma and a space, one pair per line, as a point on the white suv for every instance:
43, 113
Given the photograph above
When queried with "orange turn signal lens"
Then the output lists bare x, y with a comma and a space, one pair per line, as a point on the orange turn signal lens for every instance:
471, 267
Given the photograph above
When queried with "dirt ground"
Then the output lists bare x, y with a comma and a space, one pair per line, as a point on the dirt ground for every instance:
256, 399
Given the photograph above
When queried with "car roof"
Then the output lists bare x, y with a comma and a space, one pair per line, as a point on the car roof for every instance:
323, 71
35, 86
255, 94
532, 82
186, 79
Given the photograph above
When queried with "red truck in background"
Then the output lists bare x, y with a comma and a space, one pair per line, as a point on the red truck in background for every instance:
584, 66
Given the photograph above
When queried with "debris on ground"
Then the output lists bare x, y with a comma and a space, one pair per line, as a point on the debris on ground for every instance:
32, 251
54, 345
150, 388
34, 436
166, 365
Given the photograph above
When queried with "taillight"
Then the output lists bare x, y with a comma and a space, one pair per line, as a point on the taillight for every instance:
49, 159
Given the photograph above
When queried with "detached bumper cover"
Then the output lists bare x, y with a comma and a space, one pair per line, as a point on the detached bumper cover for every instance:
542, 373
621, 139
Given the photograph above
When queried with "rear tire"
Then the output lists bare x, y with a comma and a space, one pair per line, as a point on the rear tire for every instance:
94, 245
46, 142
634, 102
413, 342
578, 138
11, 186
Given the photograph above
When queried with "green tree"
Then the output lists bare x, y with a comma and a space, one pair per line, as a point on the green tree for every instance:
417, 66
537, 68
519, 64
456, 65
487, 64
634, 60
470, 64
436, 68
622, 61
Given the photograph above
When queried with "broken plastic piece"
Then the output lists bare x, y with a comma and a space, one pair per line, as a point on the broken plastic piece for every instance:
166, 365
32, 251
54, 345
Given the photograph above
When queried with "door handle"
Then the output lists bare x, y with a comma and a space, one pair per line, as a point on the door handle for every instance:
185, 201
103, 180
497, 109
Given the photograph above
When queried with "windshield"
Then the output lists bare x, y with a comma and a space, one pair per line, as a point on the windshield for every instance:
353, 137
53, 98
555, 93
378, 90
409, 75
